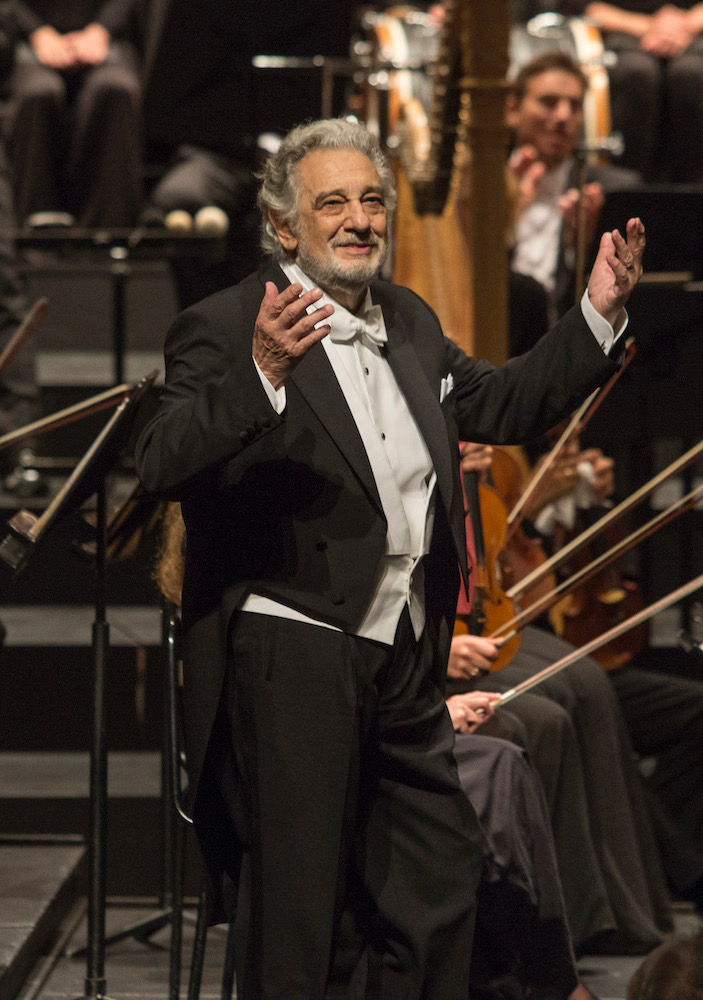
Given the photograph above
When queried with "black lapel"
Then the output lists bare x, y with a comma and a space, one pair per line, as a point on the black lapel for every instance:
314, 378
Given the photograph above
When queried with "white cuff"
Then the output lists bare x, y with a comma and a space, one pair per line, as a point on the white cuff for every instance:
277, 397
599, 325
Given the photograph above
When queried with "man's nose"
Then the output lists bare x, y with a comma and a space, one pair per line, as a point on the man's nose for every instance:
562, 111
356, 216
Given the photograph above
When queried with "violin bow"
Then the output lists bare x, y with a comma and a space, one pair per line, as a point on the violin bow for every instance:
103, 400
612, 633
575, 426
27, 327
612, 515
529, 614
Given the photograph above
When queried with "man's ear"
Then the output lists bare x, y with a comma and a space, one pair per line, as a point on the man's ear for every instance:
288, 240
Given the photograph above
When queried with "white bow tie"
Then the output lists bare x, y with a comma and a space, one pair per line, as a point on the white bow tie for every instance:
369, 325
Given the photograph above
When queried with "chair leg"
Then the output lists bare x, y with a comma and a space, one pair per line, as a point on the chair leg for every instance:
198, 958
228, 969
176, 946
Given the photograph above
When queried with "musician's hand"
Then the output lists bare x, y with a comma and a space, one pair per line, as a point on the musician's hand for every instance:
436, 13
603, 474
570, 207
528, 171
670, 32
469, 655
469, 711
560, 480
90, 45
476, 458
616, 271
52, 48
284, 332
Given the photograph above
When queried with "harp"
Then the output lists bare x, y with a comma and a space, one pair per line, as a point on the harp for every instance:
449, 143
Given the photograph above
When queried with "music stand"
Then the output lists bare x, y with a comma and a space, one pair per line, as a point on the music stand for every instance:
27, 531
120, 246
135, 519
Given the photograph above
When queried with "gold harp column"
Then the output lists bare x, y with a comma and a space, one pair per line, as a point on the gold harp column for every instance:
485, 29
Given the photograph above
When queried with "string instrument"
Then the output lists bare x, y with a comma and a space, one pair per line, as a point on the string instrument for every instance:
490, 608
678, 507
603, 601
449, 141
569, 433
521, 554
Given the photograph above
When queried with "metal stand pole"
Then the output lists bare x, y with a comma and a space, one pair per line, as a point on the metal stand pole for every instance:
95, 982
120, 271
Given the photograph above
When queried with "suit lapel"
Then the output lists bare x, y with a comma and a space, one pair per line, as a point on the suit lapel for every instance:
315, 380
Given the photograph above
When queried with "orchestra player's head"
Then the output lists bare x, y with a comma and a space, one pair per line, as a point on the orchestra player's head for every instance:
545, 107
673, 971
326, 199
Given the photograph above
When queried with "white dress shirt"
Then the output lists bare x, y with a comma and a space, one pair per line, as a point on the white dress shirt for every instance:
538, 230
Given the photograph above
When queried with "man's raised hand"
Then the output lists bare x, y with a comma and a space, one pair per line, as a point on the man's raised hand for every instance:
616, 271
284, 332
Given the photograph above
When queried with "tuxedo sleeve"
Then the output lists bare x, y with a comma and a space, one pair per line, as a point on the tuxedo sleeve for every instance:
528, 394
213, 405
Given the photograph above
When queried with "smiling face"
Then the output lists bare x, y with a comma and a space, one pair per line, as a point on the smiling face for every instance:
549, 115
340, 235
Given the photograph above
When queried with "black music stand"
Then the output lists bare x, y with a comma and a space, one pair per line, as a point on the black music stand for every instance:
134, 520
120, 247
16, 550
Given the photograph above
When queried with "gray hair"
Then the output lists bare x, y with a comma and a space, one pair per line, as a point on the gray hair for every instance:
279, 192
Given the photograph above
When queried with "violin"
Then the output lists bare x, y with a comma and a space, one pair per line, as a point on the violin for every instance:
490, 607
522, 553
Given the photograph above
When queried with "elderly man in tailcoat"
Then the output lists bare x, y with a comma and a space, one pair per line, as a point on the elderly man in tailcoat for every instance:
309, 424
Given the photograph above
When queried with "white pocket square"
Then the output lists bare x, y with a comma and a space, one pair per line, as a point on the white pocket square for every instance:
445, 387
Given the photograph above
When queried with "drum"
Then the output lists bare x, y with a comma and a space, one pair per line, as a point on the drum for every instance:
581, 40
394, 54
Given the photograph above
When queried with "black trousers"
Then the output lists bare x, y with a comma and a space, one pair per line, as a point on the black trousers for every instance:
664, 716
75, 138
349, 798
657, 105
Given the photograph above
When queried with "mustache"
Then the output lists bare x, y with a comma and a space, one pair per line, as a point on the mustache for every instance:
357, 240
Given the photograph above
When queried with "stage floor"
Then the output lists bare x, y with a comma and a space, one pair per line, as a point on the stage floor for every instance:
138, 971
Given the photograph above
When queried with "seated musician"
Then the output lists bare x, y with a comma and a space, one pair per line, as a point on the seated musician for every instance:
75, 113
656, 82
545, 111
575, 737
662, 712
533, 950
